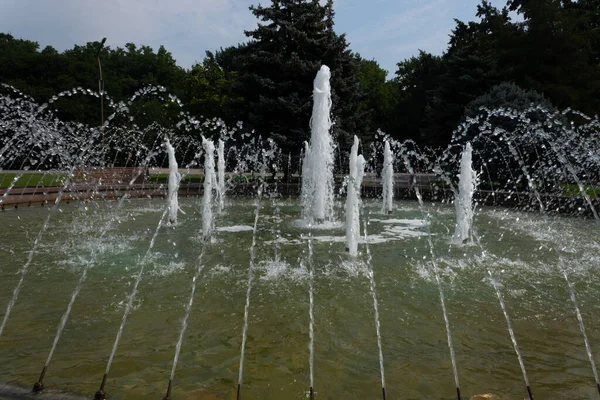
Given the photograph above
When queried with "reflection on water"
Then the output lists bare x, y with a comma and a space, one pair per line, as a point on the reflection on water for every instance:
520, 253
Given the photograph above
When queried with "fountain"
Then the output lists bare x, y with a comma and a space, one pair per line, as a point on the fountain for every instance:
174, 180
464, 198
317, 167
221, 175
357, 170
387, 178
96, 286
209, 186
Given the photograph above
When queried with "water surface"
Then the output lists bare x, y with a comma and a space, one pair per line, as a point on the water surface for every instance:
521, 250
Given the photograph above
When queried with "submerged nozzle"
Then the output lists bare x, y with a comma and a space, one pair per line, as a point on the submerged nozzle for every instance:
168, 395
529, 393
312, 394
100, 395
39, 385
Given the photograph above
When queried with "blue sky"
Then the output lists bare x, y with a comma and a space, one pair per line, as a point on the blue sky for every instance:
388, 31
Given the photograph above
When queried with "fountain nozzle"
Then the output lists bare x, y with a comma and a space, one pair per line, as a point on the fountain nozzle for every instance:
168, 395
529, 393
39, 385
100, 395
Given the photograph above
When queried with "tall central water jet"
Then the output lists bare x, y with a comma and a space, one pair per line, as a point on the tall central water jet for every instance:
317, 174
463, 201
173, 187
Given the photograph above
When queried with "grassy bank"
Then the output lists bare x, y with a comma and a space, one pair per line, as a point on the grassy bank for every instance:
573, 190
28, 179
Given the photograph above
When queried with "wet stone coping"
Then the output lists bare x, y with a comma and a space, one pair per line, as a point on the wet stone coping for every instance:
19, 197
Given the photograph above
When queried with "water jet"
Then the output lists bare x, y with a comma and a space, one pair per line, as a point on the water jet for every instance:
417, 287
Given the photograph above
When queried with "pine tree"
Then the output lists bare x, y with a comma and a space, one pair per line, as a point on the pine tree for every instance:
279, 63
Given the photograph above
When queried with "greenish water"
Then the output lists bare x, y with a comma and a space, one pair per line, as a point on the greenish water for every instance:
519, 250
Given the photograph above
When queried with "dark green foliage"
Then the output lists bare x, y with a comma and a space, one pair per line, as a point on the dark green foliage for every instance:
380, 97
277, 68
558, 57
510, 110
416, 80
553, 50
47, 73
508, 95
474, 62
511, 97
209, 88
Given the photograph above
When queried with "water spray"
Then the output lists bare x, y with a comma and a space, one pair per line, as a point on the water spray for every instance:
436, 273
317, 167
373, 290
129, 306
188, 310
311, 314
250, 279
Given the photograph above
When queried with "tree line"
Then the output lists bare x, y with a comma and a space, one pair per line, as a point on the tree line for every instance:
541, 51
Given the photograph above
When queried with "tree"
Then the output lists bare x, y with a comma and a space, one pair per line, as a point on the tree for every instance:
510, 117
279, 63
587, 13
208, 89
44, 74
416, 79
476, 60
377, 105
559, 52
553, 51
507, 95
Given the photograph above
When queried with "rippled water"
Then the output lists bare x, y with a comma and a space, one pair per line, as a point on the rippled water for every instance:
519, 251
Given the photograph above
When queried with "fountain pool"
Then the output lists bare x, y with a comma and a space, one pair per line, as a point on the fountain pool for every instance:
519, 248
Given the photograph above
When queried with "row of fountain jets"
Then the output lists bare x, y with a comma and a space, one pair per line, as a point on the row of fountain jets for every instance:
317, 177
317, 199
317, 207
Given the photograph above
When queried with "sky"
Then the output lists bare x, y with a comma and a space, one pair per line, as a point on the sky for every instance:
387, 31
